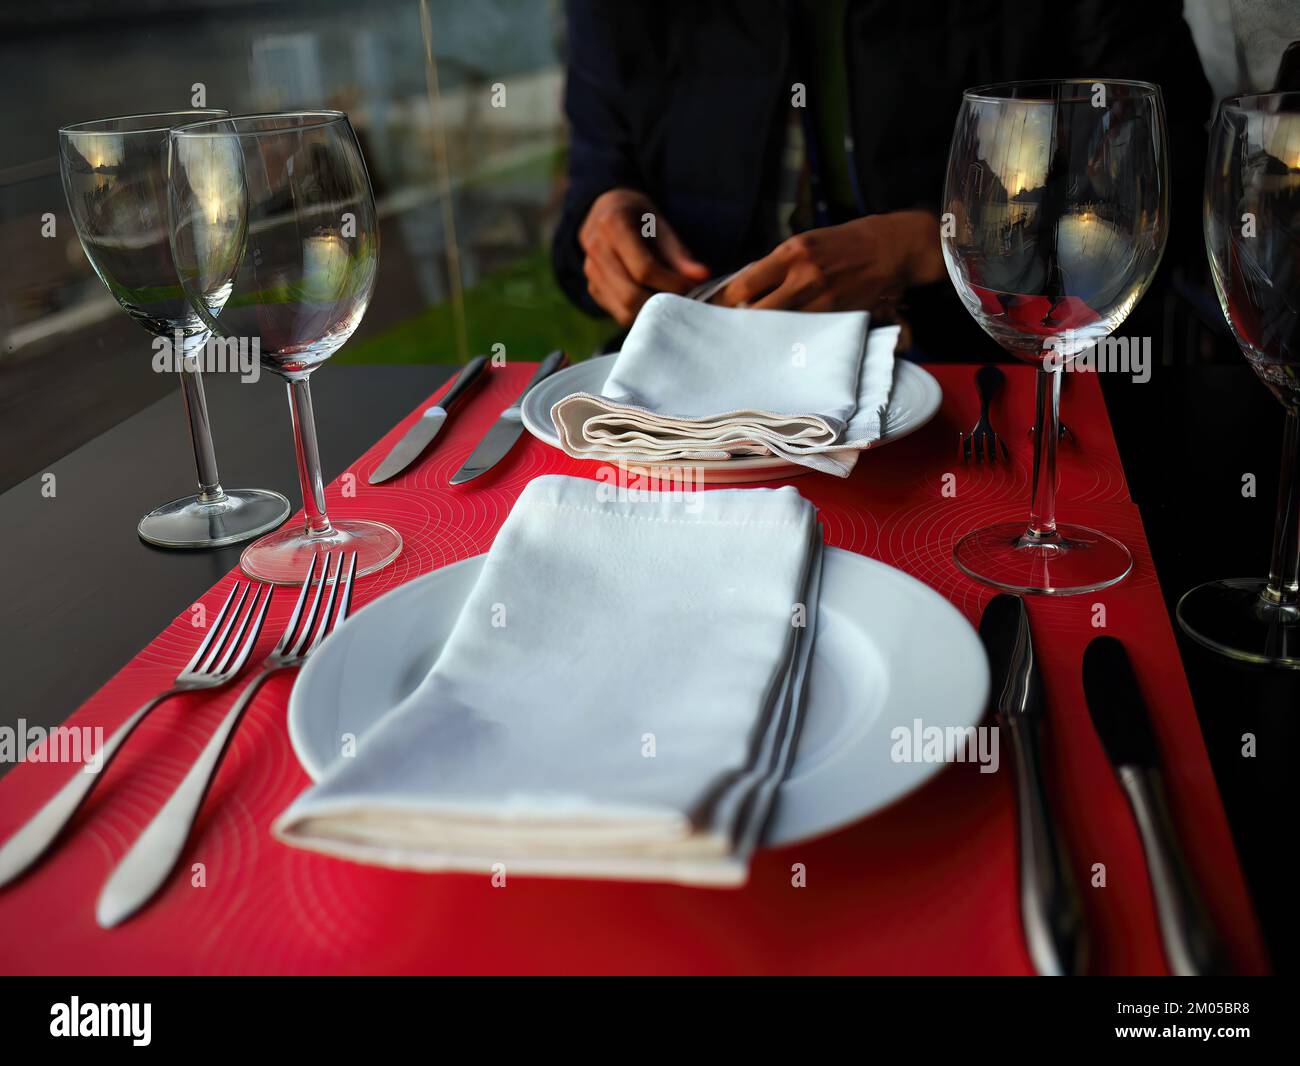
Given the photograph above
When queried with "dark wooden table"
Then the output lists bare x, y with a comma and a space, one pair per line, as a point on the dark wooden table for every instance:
1187, 438
83, 594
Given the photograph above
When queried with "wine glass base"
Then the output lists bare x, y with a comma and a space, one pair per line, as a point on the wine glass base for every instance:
1234, 619
1073, 561
191, 522
283, 557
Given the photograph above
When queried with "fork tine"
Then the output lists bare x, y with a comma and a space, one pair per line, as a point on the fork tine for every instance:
324, 626
310, 620
978, 444
292, 624
232, 645
212, 630
345, 601
1006, 452
965, 448
254, 632
206, 665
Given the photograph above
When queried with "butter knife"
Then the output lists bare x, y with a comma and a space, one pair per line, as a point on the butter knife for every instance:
1123, 724
1051, 911
421, 435
499, 439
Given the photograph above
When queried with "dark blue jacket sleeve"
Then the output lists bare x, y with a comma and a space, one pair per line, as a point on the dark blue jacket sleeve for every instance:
600, 150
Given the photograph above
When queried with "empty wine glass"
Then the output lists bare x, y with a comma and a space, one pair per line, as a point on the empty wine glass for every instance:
1252, 234
1055, 218
276, 240
115, 179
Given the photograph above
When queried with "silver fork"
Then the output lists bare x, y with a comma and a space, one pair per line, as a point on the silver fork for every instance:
219, 659
145, 868
983, 439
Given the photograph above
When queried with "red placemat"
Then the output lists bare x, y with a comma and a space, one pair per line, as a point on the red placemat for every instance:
926, 886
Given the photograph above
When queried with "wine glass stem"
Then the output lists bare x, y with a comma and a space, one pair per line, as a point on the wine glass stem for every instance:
1042, 506
304, 443
196, 413
1284, 573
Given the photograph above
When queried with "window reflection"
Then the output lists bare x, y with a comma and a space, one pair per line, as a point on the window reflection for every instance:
72, 366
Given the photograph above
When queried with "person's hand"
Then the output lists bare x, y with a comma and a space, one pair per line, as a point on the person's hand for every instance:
862, 265
623, 268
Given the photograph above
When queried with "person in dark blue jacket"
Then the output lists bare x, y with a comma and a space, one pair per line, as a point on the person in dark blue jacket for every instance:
809, 137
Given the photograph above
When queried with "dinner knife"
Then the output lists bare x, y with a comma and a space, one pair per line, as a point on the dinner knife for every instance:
421, 435
499, 439
1050, 909
705, 291
1120, 717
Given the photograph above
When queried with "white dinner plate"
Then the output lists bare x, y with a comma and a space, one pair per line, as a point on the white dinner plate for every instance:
889, 650
913, 401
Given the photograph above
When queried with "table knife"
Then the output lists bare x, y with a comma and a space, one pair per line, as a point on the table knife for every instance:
421, 435
498, 440
705, 291
1120, 717
1050, 908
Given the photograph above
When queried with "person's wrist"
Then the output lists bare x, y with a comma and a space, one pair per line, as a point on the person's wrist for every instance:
916, 233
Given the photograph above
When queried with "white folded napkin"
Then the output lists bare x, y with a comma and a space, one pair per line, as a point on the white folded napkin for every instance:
694, 381
619, 696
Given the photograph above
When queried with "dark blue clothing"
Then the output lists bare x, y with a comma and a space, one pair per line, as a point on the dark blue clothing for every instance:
688, 101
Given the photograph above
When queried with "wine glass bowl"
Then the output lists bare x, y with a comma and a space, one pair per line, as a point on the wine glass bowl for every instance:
1252, 233
277, 208
276, 239
1059, 206
1055, 218
1252, 237
114, 174
115, 179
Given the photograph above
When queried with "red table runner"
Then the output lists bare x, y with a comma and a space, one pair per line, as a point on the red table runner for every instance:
925, 886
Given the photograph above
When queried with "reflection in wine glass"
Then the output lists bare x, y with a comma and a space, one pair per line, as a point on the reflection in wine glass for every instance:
276, 240
115, 179
1252, 234
1056, 205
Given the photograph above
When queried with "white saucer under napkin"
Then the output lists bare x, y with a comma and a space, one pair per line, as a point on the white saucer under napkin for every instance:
620, 696
694, 381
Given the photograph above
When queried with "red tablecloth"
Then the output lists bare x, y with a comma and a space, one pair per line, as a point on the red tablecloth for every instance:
926, 886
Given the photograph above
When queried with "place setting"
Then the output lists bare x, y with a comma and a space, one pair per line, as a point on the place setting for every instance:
706, 618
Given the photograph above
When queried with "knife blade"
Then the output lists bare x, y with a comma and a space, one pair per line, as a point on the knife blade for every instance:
421, 435
1050, 909
1123, 724
501, 437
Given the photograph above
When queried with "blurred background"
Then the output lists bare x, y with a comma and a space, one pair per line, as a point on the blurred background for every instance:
468, 192
72, 364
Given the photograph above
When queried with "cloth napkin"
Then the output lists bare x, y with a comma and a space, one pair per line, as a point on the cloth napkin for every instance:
619, 697
694, 381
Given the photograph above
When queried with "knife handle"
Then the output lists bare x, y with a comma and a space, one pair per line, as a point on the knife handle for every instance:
545, 369
1050, 909
1191, 947
470, 374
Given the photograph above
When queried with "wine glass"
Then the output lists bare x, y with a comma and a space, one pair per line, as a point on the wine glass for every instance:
115, 180
1055, 218
276, 212
1252, 234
